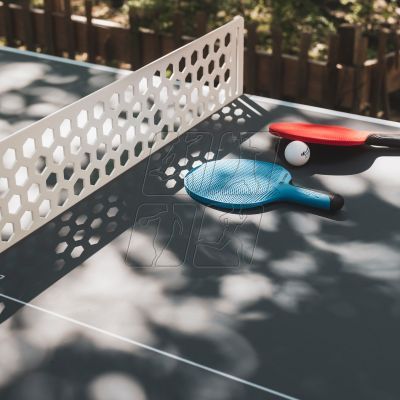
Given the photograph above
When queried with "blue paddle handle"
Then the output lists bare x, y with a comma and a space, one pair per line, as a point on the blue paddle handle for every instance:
312, 198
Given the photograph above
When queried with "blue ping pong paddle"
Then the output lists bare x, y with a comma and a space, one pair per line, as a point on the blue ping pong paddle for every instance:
242, 184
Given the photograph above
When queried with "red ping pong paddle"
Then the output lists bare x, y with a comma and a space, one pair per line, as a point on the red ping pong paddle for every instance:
332, 135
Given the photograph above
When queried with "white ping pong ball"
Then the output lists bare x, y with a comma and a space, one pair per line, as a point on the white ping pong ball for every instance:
297, 153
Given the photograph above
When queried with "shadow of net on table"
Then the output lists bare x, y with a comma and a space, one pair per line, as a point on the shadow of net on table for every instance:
45, 256
308, 296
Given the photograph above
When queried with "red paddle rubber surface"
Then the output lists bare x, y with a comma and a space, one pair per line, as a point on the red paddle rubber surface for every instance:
322, 134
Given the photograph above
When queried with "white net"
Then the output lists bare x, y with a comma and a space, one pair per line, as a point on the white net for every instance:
52, 164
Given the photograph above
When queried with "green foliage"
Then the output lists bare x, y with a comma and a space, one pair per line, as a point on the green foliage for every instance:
370, 13
158, 14
293, 16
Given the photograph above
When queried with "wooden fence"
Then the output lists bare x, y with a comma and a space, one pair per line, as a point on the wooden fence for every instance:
347, 80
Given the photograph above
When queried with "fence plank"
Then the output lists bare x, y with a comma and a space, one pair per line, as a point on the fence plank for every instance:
58, 6
331, 72
27, 21
69, 28
360, 54
177, 29
8, 26
109, 53
347, 42
378, 88
251, 59
157, 38
302, 71
90, 44
396, 45
385, 92
276, 84
49, 27
135, 43
201, 23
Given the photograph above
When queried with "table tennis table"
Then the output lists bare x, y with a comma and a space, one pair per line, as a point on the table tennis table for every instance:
138, 292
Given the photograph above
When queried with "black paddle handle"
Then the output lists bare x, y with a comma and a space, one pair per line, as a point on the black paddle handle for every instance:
383, 139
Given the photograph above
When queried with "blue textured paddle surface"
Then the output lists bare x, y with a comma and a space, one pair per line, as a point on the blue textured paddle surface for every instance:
236, 183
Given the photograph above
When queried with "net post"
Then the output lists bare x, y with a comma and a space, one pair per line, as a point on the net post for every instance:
239, 54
